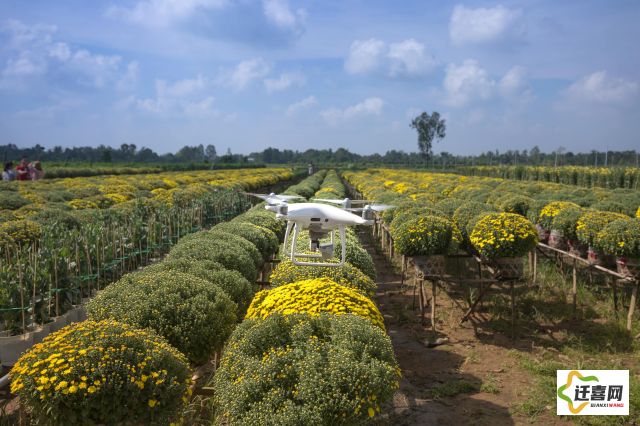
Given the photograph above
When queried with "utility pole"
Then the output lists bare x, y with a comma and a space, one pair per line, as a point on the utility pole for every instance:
606, 157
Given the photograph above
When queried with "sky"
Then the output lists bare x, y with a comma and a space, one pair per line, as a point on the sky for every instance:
297, 74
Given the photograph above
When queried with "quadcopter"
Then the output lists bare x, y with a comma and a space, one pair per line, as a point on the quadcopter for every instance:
321, 220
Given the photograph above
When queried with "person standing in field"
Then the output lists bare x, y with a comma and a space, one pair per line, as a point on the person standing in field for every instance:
8, 174
35, 170
22, 170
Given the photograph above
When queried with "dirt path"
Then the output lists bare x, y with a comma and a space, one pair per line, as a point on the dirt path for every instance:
473, 379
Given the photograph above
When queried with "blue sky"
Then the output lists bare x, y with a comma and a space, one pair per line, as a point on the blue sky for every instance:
248, 74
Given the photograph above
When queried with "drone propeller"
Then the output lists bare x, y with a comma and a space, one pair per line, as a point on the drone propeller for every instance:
342, 201
374, 207
274, 198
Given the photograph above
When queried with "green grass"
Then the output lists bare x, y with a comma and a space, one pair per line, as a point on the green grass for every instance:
453, 388
595, 339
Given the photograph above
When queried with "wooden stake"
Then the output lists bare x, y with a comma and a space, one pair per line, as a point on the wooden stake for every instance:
433, 304
632, 304
574, 288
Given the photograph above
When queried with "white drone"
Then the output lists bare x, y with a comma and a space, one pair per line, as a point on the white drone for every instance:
321, 220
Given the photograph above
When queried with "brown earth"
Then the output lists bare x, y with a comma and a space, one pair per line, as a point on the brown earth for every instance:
473, 355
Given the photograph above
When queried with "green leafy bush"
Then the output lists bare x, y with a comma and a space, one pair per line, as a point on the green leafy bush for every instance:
233, 283
102, 373
12, 200
237, 240
230, 256
264, 239
423, 236
261, 217
302, 370
620, 237
519, 204
566, 221
549, 212
192, 314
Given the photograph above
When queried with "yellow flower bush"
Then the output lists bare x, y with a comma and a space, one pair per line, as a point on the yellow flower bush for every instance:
305, 370
498, 235
551, 210
347, 275
592, 222
102, 372
22, 231
314, 297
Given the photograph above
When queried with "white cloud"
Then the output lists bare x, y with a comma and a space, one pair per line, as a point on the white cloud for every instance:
484, 25
466, 82
130, 78
469, 83
365, 56
182, 97
94, 70
302, 105
278, 13
244, 73
405, 58
370, 106
283, 82
163, 13
600, 88
409, 58
33, 51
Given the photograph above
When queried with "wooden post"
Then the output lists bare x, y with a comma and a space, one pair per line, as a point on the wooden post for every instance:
615, 297
415, 284
404, 269
390, 247
513, 309
574, 288
433, 304
421, 295
632, 304
535, 267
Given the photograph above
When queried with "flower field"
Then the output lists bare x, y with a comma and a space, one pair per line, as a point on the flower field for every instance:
312, 347
62, 239
602, 177
441, 213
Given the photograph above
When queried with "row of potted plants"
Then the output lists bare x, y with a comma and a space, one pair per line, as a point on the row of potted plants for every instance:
311, 350
130, 362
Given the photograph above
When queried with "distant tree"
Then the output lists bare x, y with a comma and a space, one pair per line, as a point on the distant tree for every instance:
210, 153
105, 156
430, 128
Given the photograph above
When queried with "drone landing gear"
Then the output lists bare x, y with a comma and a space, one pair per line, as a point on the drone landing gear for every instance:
326, 250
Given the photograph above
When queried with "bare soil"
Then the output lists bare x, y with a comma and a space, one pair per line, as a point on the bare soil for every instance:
471, 379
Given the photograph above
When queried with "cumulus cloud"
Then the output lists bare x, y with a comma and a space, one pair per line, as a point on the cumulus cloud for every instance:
409, 58
184, 97
163, 13
365, 56
463, 83
405, 58
33, 51
484, 25
370, 106
469, 82
283, 82
598, 87
278, 13
244, 73
302, 105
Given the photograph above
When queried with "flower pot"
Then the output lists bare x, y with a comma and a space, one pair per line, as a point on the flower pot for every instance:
629, 267
12, 347
596, 257
58, 323
557, 240
509, 268
543, 234
40, 333
577, 248
433, 265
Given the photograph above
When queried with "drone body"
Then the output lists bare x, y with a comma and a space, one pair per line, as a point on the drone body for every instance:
321, 220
